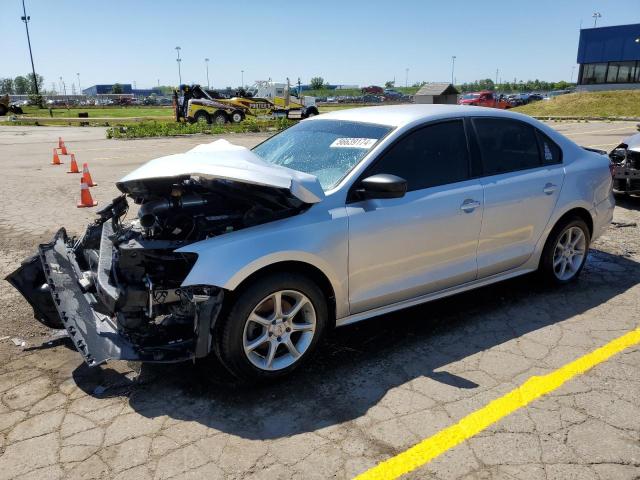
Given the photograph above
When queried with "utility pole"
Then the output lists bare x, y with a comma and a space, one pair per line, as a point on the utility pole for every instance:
453, 66
206, 61
406, 77
497, 73
79, 87
596, 16
241, 78
25, 18
179, 60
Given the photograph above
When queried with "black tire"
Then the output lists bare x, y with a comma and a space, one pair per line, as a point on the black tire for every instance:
546, 269
231, 328
202, 116
219, 118
3, 109
311, 112
237, 116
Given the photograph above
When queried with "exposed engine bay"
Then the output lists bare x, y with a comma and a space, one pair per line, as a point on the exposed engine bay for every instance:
118, 290
626, 165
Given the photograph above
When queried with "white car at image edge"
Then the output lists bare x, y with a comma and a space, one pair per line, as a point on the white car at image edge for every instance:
253, 255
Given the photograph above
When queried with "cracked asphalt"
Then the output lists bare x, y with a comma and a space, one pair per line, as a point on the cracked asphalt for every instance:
375, 389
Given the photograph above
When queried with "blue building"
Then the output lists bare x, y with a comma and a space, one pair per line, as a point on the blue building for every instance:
609, 58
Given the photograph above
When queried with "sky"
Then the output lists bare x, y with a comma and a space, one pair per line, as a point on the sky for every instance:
358, 42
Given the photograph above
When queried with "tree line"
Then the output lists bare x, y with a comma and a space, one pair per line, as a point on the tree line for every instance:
515, 86
21, 85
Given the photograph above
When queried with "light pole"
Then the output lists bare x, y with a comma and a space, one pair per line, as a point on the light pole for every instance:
572, 70
206, 61
241, 78
596, 16
25, 18
179, 72
406, 77
453, 66
79, 87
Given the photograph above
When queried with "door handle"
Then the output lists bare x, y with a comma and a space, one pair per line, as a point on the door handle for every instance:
549, 188
469, 205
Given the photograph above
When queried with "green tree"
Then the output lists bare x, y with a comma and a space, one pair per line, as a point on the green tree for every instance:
316, 83
32, 88
116, 89
20, 85
389, 84
6, 85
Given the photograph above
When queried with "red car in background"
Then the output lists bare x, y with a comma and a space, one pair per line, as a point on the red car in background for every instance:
374, 90
485, 98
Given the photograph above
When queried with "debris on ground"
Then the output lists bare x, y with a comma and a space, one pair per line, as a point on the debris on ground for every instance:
18, 342
624, 224
6, 337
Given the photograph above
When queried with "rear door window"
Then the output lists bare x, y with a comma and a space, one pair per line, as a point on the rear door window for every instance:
506, 145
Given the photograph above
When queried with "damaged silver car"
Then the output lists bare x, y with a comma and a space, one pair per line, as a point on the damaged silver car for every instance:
626, 165
252, 255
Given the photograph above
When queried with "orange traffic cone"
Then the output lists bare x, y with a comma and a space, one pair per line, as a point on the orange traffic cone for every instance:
86, 176
56, 158
85, 196
61, 146
73, 168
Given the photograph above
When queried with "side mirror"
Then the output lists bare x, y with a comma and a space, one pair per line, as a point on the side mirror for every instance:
382, 185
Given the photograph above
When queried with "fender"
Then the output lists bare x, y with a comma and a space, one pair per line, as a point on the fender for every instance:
317, 237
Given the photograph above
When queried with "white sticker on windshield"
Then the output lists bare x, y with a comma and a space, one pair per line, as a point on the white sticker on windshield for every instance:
365, 143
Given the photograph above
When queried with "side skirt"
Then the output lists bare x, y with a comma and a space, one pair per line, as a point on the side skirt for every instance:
357, 317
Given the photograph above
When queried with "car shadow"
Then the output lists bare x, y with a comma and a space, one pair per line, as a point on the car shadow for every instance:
359, 364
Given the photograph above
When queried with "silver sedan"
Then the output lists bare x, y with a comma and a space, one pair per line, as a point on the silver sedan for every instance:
253, 255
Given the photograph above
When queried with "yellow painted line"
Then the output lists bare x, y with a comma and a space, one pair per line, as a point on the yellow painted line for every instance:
475, 422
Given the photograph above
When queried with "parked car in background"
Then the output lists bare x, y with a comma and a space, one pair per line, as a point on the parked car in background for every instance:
392, 94
485, 98
555, 93
625, 159
372, 89
254, 255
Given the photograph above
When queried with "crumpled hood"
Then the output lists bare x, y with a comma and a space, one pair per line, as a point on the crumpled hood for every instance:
633, 142
223, 160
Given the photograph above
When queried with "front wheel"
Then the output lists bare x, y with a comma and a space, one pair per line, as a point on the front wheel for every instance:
237, 116
274, 326
565, 252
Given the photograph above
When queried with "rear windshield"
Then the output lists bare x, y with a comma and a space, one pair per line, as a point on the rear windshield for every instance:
328, 149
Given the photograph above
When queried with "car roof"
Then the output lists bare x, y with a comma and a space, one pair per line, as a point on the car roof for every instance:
401, 115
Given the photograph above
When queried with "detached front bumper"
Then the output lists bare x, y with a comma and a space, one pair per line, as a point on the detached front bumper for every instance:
56, 287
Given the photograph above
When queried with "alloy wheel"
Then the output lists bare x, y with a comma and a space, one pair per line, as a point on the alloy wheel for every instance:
279, 330
569, 253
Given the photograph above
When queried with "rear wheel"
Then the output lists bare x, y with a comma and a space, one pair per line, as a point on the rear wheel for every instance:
273, 327
565, 252
219, 118
3, 109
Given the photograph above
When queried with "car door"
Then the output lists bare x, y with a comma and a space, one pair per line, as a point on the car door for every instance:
425, 241
522, 178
